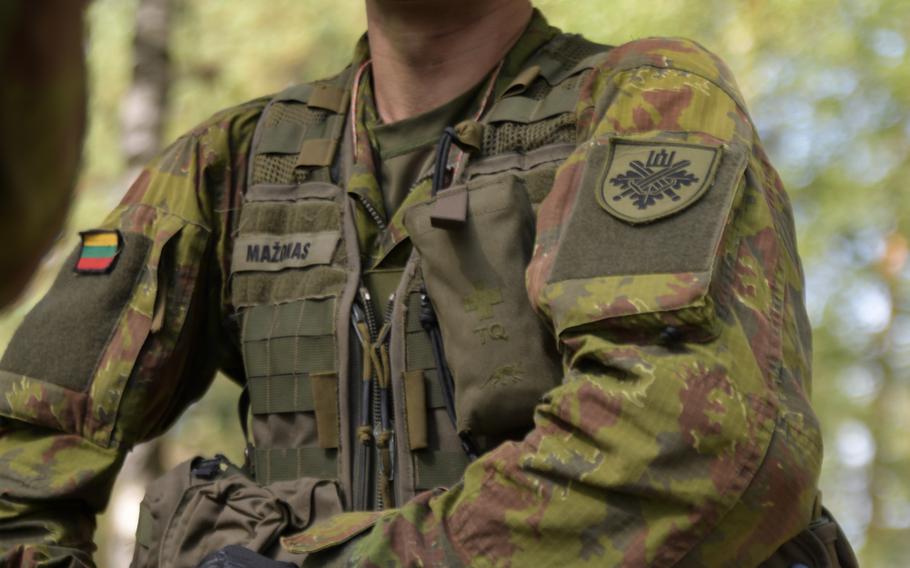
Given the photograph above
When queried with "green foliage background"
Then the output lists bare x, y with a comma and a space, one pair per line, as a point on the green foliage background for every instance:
828, 83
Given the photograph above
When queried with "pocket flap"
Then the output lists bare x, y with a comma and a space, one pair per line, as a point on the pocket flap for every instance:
640, 301
332, 532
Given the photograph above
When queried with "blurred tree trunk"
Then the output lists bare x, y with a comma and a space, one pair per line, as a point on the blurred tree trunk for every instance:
145, 104
879, 533
142, 114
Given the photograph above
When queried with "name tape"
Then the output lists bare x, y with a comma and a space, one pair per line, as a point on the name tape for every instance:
266, 252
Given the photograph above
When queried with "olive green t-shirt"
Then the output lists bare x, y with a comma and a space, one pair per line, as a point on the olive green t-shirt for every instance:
405, 148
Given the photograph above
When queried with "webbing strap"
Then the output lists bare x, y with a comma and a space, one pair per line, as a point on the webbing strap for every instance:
317, 152
303, 318
281, 393
325, 401
439, 468
413, 320
433, 390
329, 97
419, 351
522, 81
416, 408
290, 356
284, 464
320, 151
524, 109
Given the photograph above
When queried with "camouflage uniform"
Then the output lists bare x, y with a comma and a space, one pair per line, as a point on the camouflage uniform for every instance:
42, 117
681, 432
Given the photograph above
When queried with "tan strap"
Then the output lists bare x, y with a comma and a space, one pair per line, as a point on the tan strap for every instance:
525, 110
325, 403
522, 81
317, 152
329, 97
415, 395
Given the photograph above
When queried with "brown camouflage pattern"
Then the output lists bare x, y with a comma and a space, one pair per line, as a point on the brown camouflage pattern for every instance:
706, 454
42, 122
703, 454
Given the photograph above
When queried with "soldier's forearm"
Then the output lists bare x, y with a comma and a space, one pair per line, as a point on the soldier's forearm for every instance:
57, 536
51, 486
41, 556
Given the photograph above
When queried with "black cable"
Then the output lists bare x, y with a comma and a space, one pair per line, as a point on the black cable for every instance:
442, 158
430, 324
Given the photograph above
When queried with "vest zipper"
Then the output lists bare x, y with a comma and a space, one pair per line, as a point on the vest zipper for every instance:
375, 424
382, 417
364, 428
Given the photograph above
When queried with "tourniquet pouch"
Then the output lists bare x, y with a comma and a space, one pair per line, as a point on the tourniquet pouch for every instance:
502, 356
204, 505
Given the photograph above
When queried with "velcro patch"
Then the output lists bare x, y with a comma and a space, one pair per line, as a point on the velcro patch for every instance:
99, 250
643, 181
268, 252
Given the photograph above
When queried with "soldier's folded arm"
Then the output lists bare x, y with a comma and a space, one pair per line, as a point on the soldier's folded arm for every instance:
128, 336
681, 432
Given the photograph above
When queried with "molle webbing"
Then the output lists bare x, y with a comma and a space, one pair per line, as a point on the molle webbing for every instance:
436, 463
290, 356
300, 132
284, 464
539, 109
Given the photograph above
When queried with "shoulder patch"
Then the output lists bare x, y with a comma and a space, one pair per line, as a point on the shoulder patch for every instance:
643, 181
99, 251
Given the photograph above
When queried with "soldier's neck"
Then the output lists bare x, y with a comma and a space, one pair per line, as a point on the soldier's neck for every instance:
426, 52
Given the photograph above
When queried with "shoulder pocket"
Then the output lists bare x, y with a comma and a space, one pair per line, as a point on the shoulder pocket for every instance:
104, 320
653, 270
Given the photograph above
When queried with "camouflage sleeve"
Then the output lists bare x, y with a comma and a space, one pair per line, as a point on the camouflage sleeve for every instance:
681, 434
103, 361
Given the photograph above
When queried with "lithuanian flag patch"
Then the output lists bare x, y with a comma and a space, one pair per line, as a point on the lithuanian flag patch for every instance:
99, 251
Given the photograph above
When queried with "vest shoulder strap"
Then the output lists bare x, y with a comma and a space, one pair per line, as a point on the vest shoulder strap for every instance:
299, 131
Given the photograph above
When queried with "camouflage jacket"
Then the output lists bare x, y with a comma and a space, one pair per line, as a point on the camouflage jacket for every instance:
664, 263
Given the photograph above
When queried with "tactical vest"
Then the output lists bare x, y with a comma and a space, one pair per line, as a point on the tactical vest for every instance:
344, 388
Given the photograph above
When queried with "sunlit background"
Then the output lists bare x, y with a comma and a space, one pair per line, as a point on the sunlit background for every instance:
828, 84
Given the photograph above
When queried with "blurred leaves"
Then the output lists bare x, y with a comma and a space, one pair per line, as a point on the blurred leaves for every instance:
828, 84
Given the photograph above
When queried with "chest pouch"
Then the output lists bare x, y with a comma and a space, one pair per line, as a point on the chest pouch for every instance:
500, 353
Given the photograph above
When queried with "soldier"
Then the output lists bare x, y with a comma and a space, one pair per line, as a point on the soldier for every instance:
42, 118
570, 295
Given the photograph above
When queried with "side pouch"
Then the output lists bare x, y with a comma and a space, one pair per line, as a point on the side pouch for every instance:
204, 505
502, 357
822, 545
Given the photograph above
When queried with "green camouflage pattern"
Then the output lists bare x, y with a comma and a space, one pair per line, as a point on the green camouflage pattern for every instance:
60, 454
701, 453
42, 121
705, 453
